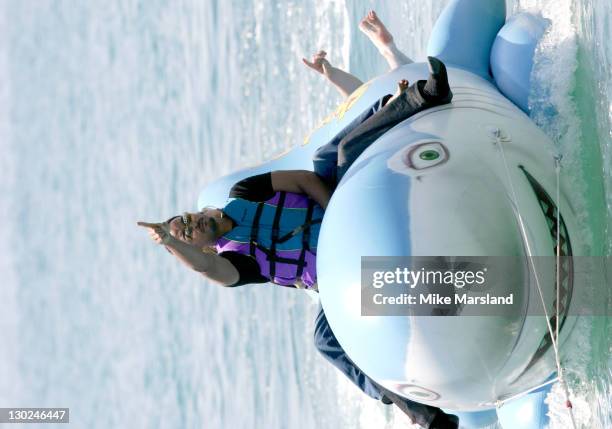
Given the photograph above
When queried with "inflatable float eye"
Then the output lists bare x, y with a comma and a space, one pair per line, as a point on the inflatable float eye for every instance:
429, 155
419, 392
426, 155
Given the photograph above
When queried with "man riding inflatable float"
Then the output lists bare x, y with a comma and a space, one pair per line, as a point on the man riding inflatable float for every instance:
254, 239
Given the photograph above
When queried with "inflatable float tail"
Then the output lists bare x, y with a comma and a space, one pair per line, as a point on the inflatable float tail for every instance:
512, 56
464, 33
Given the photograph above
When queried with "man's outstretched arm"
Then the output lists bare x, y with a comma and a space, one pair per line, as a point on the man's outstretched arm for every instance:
210, 265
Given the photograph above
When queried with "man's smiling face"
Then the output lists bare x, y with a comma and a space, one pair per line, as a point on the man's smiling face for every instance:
200, 229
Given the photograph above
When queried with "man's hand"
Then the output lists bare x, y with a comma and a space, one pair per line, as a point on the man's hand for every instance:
211, 266
159, 232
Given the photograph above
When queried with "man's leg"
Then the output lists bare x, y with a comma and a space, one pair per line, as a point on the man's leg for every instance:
424, 415
328, 345
378, 34
417, 97
325, 158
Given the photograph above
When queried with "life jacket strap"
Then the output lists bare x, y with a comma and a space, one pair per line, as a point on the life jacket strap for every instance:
255, 228
306, 239
275, 258
274, 238
305, 227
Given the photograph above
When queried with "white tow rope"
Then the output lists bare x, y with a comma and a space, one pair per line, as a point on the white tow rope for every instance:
568, 402
554, 334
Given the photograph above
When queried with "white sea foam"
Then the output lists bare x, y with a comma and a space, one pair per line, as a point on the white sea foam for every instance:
555, 109
551, 97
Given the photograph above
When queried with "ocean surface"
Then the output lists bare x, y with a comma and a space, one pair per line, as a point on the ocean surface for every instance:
122, 110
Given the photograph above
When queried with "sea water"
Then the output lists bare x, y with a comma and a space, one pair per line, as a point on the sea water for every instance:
121, 110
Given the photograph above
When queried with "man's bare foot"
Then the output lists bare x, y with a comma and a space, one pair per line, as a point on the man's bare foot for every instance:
378, 34
376, 31
319, 63
402, 86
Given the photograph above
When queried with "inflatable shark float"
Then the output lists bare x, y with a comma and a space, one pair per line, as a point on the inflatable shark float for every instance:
490, 188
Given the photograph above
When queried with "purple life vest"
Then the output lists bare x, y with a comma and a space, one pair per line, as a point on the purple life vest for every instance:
281, 233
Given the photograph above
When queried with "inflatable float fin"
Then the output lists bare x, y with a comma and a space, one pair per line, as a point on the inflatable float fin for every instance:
512, 56
527, 412
216, 192
464, 33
